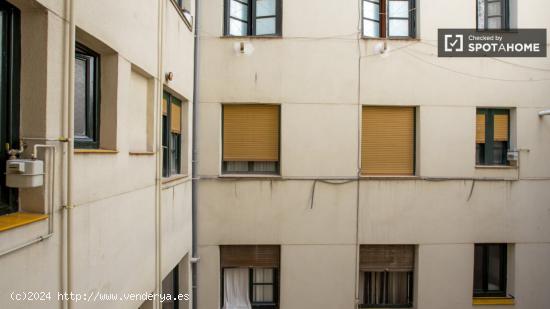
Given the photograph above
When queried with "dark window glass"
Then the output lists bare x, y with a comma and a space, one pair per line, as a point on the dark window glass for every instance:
389, 18
493, 14
86, 105
170, 286
251, 167
252, 17
387, 289
494, 150
9, 96
262, 285
490, 270
171, 135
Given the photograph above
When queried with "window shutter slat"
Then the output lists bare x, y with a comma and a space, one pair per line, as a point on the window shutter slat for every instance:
250, 132
501, 128
267, 256
175, 117
480, 128
386, 258
387, 141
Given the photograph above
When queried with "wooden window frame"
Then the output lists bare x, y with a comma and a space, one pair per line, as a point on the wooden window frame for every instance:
171, 148
488, 146
485, 292
10, 98
504, 15
92, 105
251, 284
251, 23
384, 18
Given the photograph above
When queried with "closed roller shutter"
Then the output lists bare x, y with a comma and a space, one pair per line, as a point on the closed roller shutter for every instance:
387, 141
267, 256
386, 258
480, 128
501, 128
250, 132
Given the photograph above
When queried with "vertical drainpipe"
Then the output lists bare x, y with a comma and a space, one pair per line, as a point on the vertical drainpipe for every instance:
158, 152
194, 158
70, 150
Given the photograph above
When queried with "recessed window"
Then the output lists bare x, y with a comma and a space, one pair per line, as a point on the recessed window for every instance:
490, 265
252, 17
388, 140
250, 139
389, 18
9, 96
492, 136
250, 276
493, 14
387, 273
171, 135
86, 100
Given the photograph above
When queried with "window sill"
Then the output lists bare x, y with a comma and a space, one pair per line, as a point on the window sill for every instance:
493, 301
366, 38
141, 153
251, 37
173, 179
498, 167
18, 219
95, 151
389, 177
251, 176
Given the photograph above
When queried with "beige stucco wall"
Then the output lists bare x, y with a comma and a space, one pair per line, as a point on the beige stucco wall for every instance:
314, 72
113, 240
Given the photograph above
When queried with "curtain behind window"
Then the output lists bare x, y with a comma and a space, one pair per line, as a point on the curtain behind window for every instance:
235, 288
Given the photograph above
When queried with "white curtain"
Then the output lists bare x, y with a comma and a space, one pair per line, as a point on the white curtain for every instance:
235, 289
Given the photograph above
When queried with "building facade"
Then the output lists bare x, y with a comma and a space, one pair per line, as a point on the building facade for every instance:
343, 164
113, 215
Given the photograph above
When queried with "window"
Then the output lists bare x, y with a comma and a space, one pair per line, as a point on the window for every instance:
170, 285
388, 140
492, 136
171, 135
86, 105
9, 96
387, 273
185, 8
252, 17
250, 276
493, 14
490, 270
251, 139
389, 18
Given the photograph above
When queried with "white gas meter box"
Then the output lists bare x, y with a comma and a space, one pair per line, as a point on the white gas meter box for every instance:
22, 173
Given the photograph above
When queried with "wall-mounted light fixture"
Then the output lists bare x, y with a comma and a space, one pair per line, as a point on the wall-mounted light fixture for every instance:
169, 76
544, 113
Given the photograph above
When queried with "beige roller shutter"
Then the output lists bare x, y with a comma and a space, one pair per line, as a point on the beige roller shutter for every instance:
250, 256
480, 128
175, 117
250, 132
387, 141
164, 105
501, 128
386, 258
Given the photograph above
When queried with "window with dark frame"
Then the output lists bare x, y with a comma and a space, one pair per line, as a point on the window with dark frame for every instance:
490, 270
87, 101
170, 286
251, 138
493, 15
389, 18
252, 17
10, 48
387, 274
492, 136
171, 135
261, 263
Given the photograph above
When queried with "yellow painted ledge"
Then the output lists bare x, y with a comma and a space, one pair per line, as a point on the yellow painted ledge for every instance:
95, 151
17, 219
493, 301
